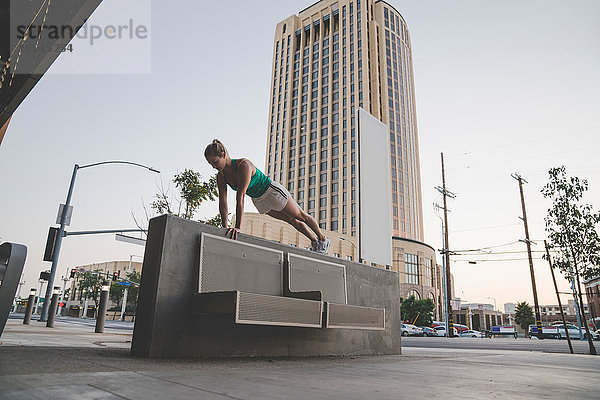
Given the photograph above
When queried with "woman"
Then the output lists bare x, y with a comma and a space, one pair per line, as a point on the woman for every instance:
268, 196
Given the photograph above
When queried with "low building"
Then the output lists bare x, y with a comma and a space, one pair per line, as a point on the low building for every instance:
76, 299
478, 316
592, 291
550, 313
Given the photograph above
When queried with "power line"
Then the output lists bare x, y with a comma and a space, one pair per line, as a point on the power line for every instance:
524, 142
526, 158
497, 260
485, 248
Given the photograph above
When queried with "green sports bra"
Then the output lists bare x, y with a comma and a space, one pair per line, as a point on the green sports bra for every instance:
259, 183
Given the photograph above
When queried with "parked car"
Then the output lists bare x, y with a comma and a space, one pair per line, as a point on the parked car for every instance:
427, 331
573, 332
411, 330
441, 330
472, 334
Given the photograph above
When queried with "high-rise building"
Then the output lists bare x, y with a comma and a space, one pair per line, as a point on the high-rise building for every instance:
332, 58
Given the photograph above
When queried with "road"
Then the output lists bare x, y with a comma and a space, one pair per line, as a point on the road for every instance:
520, 344
85, 323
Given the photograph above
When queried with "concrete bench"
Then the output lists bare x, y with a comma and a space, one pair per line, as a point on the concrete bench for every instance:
328, 281
261, 286
247, 281
240, 314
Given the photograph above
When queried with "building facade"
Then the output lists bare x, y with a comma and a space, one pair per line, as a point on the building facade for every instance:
77, 298
592, 291
478, 316
329, 60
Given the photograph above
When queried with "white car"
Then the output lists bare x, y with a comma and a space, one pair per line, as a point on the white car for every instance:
411, 330
573, 332
441, 330
472, 334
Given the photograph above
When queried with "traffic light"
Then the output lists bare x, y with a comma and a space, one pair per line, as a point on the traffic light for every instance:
50, 244
73, 271
116, 275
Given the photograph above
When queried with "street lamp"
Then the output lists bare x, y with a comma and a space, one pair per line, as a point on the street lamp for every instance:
352, 243
63, 217
493, 298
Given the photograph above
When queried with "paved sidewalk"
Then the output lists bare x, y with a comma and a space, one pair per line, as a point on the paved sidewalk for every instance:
69, 363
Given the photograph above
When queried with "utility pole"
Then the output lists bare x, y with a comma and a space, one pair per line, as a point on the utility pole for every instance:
18, 296
446, 250
62, 295
562, 313
124, 305
538, 318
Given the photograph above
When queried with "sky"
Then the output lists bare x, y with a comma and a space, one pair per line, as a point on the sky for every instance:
501, 88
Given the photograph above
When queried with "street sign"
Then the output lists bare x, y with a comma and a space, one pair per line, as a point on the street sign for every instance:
130, 239
68, 216
124, 283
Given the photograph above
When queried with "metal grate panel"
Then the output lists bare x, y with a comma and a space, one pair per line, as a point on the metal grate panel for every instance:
260, 309
354, 317
306, 274
228, 265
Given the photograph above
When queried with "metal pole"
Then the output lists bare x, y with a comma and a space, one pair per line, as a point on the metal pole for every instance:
576, 304
85, 306
53, 306
538, 318
18, 296
102, 309
445, 292
37, 303
124, 305
29, 309
62, 295
61, 231
59, 237
447, 256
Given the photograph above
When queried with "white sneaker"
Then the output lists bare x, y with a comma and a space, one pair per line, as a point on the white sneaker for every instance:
314, 245
323, 246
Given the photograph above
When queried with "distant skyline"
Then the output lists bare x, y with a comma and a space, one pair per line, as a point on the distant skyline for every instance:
501, 87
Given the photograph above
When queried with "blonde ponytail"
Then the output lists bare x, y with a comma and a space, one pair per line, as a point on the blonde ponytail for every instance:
216, 148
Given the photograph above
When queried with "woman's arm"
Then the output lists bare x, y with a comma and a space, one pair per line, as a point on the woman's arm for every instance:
244, 174
222, 188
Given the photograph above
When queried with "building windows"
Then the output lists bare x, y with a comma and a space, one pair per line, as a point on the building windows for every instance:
411, 263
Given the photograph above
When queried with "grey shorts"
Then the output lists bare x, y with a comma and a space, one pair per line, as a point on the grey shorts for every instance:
275, 198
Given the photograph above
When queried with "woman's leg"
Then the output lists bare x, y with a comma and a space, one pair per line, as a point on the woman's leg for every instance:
299, 225
293, 211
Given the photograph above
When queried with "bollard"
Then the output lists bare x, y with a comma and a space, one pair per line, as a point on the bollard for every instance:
29, 309
102, 309
53, 306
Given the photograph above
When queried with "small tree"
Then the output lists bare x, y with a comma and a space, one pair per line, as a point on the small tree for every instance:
116, 291
133, 290
524, 316
419, 312
193, 191
571, 228
90, 282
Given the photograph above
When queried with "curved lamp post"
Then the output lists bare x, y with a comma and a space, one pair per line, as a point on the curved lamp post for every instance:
61, 230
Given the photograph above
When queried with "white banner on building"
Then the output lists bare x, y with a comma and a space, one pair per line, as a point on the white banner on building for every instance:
374, 195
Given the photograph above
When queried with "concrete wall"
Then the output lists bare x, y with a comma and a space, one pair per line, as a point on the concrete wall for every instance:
165, 326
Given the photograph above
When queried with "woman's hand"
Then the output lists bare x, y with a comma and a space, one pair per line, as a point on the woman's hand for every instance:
232, 233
